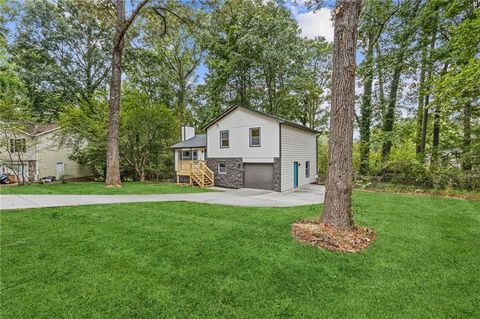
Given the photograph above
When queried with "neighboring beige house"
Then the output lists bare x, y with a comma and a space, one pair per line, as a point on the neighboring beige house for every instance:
34, 152
248, 148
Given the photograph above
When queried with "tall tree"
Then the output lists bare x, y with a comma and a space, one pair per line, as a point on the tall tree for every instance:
123, 23
375, 15
337, 209
62, 53
404, 39
171, 59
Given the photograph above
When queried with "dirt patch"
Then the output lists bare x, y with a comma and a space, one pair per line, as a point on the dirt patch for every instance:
315, 233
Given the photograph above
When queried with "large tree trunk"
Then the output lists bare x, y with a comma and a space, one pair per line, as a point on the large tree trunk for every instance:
337, 209
112, 178
366, 108
113, 155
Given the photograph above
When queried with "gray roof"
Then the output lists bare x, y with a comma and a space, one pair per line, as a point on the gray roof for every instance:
197, 141
276, 118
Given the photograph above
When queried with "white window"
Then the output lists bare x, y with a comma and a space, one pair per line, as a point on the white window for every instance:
222, 168
194, 155
307, 169
18, 145
224, 139
186, 155
255, 137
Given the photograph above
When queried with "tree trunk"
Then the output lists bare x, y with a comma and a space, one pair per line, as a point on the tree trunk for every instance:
467, 137
421, 96
436, 136
436, 127
381, 89
397, 72
366, 108
423, 138
337, 209
113, 156
392, 103
112, 178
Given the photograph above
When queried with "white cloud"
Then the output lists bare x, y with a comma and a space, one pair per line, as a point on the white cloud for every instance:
316, 23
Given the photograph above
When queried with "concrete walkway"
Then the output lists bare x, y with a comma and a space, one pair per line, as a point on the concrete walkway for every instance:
306, 195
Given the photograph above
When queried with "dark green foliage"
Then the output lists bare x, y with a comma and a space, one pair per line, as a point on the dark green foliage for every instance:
148, 129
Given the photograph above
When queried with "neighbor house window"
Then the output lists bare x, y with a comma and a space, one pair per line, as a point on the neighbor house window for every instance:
222, 168
195, 155
186, 155
307, 169
224, 139
255, 137
18, 145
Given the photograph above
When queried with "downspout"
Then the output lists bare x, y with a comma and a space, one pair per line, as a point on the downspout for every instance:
37, 171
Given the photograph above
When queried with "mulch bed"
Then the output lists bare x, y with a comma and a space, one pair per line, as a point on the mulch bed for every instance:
313, 232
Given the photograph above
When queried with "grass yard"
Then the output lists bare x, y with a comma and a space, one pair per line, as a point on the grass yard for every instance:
186, 260
96, 188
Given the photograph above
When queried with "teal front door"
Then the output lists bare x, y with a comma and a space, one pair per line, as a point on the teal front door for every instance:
295, 174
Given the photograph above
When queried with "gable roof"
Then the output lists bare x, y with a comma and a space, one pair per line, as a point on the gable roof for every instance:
38, 129
276, 118
33, 129
197, 141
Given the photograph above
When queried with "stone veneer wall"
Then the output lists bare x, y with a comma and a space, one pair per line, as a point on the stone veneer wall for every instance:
277, 178
234, 176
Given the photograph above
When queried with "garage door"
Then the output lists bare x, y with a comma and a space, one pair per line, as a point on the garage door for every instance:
259, 175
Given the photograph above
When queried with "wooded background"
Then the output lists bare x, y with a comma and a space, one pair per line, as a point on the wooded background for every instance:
417, 81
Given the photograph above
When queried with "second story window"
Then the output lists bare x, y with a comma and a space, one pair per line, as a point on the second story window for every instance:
255, 137
224, 139
18, 145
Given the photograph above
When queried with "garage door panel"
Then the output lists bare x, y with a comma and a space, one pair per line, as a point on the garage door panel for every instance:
259, 175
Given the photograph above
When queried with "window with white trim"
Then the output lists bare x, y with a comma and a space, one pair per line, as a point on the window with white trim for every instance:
255, 137
18, 145
186, 155
194, 155
222, 168
307, 169
224, 139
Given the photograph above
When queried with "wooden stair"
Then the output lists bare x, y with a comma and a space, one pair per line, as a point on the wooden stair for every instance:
201, 175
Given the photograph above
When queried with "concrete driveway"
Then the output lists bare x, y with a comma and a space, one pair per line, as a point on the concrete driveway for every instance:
306, 195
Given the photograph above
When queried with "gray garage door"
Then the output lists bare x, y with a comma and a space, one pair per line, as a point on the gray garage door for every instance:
259, 175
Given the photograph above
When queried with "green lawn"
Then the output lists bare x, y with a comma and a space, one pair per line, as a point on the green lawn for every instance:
94, 188
186, 260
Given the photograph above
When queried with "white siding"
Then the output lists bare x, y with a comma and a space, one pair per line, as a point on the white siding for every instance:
238, 123
44, 149
49, 153
297, 146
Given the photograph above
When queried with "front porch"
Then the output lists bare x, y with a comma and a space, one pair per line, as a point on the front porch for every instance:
195, 171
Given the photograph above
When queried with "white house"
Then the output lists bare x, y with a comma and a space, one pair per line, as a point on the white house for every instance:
248, 148
34, 152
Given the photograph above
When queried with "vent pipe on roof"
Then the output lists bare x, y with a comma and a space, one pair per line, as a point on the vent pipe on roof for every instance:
187, 132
